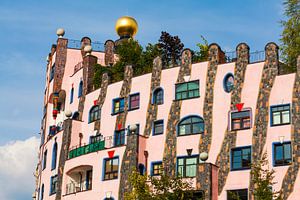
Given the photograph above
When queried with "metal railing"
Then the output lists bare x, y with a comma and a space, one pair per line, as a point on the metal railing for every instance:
256, 56
74, 187
77, 67
76, 44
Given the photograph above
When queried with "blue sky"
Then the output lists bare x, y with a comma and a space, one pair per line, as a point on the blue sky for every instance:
28, 30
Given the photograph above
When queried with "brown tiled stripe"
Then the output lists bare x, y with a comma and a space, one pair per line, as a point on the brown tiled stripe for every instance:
223, 161
169, 156
260, 128
288, 182
130, 156
101, 98
155, 83
205, 140
63, 156
60, 63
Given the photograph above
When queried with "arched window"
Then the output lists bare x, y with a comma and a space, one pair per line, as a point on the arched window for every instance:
228, 82
190, 125
94, 114
42, 192
54, 156
80, 89
71, 95
158, 96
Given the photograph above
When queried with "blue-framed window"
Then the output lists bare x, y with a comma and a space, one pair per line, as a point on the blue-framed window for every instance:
53, 184
157, 168
80, 89
280, 115
119, 137
52, 130
190, 125
158, 127
134, 101
111, 168
187, 166
44, 160
241, 194
118, 105
88, 179
96, 138
42, 192
54, 156
282, 154
158, 96
71, 95
241, 158
52, 72
94, 114
228, 82
240, 120
187, 90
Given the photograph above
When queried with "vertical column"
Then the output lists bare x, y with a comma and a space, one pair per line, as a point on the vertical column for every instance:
260, 127
60, 62
169, 157
289, 179
109, 53
85, 41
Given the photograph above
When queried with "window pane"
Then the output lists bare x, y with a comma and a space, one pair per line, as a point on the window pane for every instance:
180, 161
180, 170
287, 151
190, 161
279, 152
193, 85
286, 117
191, 171
276, 118
182, 130
198, 128
181, 87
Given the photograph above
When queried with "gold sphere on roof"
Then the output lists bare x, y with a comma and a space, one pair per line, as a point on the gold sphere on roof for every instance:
126, 26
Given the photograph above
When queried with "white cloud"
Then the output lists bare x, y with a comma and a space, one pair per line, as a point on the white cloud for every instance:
17, 165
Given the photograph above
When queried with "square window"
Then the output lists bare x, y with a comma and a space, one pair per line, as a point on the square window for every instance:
156, 169
119, 138
111, 166
280, 115
240, 120
134, 101
53, 184
241, 194
282, 154
240, 158
158, 127
187, 90
187, 166
118, 105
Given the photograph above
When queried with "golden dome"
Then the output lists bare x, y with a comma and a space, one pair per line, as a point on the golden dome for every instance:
126, 26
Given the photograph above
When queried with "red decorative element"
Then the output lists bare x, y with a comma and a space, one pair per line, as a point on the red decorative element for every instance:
54, 113
239, 106
111, 153
119, 126
95, 102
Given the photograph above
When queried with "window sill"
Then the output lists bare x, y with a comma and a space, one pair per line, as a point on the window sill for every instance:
110, 179
274, 125
241, 129
240, 169
131, 109
190, 134
116, 113
186, 98
157, 134
281, 165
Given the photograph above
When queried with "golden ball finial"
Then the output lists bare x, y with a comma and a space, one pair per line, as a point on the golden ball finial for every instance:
126, 26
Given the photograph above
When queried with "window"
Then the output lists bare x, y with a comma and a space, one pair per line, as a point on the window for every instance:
158, 96
80, 89
96, 138
94, 114
54, 156
52, 130
42, 192
280, 115
45, 159
75, 116
228, 83
53, 184
118, 105
119, 138
88, 179
241, 120
134, 101
282, 154
71, 95
187, 90
156, 168
190, 125
237, 194
158, 127
111, 166
240, 158
187, 166
52, 72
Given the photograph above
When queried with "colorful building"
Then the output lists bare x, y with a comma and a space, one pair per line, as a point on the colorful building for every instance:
205, 121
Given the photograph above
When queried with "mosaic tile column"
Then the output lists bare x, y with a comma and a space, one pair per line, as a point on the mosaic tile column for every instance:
109, 52
101, 98
60, 62
66, 139
261, 120
155, 83
169, 156
288, 182
205, 139
223, 159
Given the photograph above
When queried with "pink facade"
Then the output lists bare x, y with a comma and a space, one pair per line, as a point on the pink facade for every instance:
74, 182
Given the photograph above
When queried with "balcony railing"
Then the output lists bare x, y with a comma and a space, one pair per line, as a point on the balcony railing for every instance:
72, 188
255, 56
76, 44
93, 147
